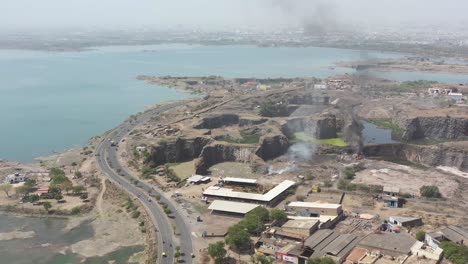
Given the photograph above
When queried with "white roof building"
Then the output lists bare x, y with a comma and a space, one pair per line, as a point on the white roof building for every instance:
232, 207
268, 197
238, 180
194, 179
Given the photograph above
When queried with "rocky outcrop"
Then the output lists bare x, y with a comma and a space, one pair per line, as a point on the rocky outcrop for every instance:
251, 121
272, 146
321, 127
217, 120
177, 150
435, 127
447, 154
218, 152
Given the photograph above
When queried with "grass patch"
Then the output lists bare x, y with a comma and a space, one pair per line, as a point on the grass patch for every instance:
182, 170
302, 137
411, 86
246, 138
387, 123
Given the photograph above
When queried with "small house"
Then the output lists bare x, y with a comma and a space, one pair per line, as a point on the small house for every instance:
15, 178
405, 221
457, 97
391, 198
455, 234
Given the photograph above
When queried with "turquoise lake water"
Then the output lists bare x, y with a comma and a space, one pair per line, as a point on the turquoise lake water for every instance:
52, 101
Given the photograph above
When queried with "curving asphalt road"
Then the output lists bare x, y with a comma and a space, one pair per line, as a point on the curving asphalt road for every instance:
107, 161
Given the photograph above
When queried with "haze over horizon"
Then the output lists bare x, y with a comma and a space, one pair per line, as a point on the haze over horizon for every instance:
217, 14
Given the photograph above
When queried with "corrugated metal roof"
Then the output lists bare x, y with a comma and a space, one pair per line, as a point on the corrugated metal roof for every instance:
267, 197
455, 233
314, 205
240, 180
232, 207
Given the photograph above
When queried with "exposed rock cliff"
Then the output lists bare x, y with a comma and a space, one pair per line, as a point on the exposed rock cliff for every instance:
177, 150
218, 152
217, 120
436, 127
321, 127
454, 154
272, 146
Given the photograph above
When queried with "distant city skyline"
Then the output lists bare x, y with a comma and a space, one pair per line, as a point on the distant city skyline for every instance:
216, 14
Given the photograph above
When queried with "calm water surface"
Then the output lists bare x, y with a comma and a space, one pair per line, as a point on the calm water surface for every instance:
51, 101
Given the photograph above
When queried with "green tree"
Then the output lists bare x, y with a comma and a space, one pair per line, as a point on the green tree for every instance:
66, 186
278, 215
261, 259
238, 238
430, 191
323, 260
420, 235
260, 213
57, 176
457, 254
78, 189
217, 251
47, 206
22, 190
30, 183
6, 188
78, 174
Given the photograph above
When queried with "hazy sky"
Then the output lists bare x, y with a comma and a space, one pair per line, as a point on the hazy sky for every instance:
218, 13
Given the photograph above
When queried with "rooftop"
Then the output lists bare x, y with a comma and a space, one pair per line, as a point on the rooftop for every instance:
455, 233
393, 244
328, 242
403, 219
232, 207
198, 178
314, 205
267, 197
240, 180
305, 223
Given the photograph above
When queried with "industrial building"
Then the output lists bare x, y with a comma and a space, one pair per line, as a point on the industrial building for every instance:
389, 244
271, 198
238, 181
231, 208
322, 243
315, 209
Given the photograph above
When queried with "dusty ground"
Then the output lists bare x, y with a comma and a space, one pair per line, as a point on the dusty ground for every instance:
114, 228
408, 179
184, 169
408, 65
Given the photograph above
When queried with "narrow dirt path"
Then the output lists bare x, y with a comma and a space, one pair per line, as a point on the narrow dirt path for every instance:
101, 198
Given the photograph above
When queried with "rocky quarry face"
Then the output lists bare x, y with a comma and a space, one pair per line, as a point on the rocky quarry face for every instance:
448, 154
322, 127
177, 150
435, 127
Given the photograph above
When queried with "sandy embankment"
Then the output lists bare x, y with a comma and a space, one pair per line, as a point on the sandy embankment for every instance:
16, 235
113, 227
